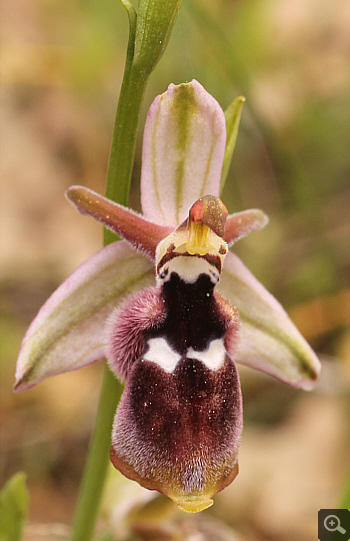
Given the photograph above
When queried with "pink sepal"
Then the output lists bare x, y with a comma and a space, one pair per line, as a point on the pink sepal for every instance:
269, 340
69, 330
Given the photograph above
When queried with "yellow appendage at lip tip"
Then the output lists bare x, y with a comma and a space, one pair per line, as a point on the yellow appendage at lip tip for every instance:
198, 242
194, 505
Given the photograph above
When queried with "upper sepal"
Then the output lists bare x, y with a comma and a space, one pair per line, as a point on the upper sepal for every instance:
183, 150
269, 341
69, 330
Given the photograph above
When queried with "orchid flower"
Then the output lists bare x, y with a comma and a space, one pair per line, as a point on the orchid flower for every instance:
175, 343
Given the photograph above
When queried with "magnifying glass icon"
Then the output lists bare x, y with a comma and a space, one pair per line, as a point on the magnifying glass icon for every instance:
332, 524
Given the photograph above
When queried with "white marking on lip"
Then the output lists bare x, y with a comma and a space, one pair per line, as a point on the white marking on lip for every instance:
190, 268
161, 353
213, 357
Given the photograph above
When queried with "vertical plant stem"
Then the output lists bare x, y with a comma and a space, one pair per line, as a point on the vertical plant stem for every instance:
97, 461
124, 139
118, 185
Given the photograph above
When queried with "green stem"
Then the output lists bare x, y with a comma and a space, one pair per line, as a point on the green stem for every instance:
118, 185
97, 461
124, 139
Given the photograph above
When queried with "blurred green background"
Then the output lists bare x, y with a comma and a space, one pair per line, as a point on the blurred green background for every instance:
61, 70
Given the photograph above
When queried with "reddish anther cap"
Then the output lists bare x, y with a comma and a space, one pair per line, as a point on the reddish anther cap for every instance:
210, 211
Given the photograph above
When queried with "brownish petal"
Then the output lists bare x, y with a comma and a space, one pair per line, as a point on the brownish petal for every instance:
141, 233
240, 224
